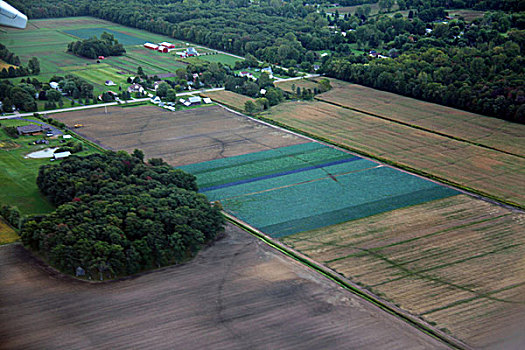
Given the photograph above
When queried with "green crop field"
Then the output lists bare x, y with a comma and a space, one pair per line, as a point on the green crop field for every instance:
124, 39
298, 188
488, 171
18, 174
48, 39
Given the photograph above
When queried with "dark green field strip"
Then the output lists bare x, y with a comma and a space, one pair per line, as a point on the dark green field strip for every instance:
293, 179
86, 33
356, 212
286, 171
224, 163
279, 166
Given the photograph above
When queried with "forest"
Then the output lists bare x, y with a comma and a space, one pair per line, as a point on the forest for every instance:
117, 215
473, 65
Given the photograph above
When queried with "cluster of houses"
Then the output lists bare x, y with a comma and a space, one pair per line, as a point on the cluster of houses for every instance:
191, 101
251, 76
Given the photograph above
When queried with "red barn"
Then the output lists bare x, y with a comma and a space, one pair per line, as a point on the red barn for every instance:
151, 46
162, 49
168, 45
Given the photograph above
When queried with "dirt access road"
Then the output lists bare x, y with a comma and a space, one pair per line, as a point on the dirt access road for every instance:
237, 294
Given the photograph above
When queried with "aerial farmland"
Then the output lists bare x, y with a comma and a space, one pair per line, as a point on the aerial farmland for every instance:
353, 217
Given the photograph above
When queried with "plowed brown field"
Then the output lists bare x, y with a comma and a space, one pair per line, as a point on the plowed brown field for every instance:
237, 294
184, 137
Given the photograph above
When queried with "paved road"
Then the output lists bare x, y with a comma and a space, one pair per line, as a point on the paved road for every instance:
30, 114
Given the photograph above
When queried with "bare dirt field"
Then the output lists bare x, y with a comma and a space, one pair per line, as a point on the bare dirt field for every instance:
491, 132
457, 262
180, 138
237, 294
229, 98
494, 173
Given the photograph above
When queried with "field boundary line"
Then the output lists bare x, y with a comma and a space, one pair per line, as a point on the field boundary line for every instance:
418, 127
463, 188
347, 284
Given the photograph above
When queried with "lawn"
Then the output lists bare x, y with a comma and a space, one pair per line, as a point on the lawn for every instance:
220, 58
18, 174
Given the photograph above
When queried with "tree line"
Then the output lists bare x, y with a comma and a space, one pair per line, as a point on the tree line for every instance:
16, 69
117, 215
292, 34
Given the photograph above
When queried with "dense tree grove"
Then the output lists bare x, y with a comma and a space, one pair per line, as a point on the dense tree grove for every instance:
475, 66
20, 71
117, 215
107, 45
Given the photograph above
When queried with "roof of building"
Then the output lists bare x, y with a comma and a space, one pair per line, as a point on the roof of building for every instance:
191, 51
207, 100
31, 128
194, 99
58, 155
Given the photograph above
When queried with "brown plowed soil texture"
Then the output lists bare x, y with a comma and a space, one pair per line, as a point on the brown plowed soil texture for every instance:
180, 138
236, 294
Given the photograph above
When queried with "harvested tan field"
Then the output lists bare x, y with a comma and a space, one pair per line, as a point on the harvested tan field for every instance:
488, 171
180, 138
458, 262
302, 83
237, 294
229, 99
5, 65
476, 128
7, 234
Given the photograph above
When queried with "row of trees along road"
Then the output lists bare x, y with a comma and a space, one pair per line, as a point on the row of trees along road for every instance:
117, 215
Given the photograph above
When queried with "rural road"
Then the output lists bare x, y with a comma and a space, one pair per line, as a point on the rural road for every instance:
237, 294
72, 109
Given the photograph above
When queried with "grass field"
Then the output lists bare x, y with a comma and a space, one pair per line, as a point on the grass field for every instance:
7, 234
18, 174
297, 188
48, 39
182, 137
458, 262
229, 99
488, 171
220, 58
